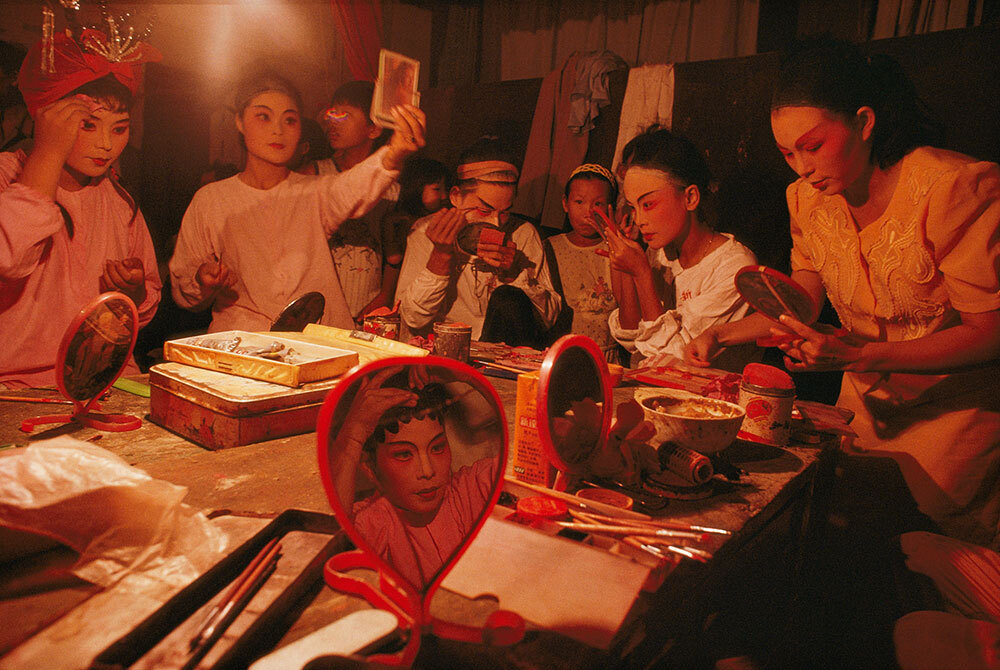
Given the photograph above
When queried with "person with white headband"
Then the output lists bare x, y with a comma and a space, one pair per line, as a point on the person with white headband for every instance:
503, 290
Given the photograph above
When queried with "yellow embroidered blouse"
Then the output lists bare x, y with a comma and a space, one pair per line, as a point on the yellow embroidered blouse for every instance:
934, 252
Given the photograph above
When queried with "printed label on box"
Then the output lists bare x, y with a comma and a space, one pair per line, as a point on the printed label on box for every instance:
530, 462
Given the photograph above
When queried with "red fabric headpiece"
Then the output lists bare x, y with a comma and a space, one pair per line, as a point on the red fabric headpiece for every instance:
75, 67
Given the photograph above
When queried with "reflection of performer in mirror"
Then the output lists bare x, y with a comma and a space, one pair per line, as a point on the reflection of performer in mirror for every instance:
421, 510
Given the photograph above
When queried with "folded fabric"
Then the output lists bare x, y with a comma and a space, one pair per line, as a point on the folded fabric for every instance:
967, 575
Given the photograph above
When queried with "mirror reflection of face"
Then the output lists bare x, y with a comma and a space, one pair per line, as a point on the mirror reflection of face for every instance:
98, 351
271, 127
486, 202
412, 468
414, 454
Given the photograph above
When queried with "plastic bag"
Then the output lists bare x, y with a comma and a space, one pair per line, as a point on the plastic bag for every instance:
120, 520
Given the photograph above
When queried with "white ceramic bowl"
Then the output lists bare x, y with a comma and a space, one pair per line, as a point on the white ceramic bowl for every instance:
706, 425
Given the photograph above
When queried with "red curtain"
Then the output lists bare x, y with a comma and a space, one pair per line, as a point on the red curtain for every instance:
359, 23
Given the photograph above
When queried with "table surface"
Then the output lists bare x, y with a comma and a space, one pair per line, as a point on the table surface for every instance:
262, 480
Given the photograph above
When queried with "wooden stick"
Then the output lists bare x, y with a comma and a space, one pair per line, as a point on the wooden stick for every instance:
507, 368
659, 523
255, 567
21, 398
581, 503
636, 530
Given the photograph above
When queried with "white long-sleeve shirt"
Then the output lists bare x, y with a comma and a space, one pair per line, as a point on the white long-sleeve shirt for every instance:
705, 295
462, 296
275, 242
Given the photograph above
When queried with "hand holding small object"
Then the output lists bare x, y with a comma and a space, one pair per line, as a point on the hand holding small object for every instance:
127, 276
701, 350
409, 136
213, 276
498, 255
442, 230
371, 402
816, 350
57, 126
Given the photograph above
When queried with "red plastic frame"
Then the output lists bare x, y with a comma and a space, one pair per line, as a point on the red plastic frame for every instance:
779, 278
82, 410
408, 603
544, 380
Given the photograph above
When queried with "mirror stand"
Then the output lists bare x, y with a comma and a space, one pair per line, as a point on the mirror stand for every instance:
502, 627
93, 353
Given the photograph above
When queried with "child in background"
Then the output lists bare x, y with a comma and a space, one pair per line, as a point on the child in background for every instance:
312, 147
683, 283
365, 252
250, 244
68, 230
423, 190
581, 273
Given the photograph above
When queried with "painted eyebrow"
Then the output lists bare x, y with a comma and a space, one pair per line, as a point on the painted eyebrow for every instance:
493, 207
803, 138
404, 443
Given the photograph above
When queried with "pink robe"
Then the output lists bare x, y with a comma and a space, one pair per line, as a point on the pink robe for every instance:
46, 276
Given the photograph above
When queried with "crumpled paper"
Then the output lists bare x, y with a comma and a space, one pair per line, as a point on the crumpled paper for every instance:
119, 519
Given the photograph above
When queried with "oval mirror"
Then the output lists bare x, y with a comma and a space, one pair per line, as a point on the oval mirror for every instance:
412, 453
774, 293
300, 312
96, 348
574, 402
468, 237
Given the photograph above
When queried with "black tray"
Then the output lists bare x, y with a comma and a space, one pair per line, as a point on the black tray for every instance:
266, 630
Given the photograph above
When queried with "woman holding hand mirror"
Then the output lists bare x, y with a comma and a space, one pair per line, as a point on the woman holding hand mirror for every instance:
903, 239
428, 442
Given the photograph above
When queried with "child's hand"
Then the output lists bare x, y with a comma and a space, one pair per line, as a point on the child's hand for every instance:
127, 276
371, 402
213, 276
411, 128
498, 255
701, 350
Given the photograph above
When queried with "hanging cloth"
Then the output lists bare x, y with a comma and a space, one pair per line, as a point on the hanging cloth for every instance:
649, 99
553, 150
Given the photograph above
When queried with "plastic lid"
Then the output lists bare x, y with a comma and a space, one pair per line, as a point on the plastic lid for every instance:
767, 376
541, 507
606, 496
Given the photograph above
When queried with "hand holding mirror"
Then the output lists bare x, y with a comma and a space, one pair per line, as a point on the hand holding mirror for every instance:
299, 313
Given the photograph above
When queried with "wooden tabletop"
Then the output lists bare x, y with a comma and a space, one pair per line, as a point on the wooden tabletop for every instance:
264, 479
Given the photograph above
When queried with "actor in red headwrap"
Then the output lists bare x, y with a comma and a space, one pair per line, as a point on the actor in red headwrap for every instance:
68, 230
